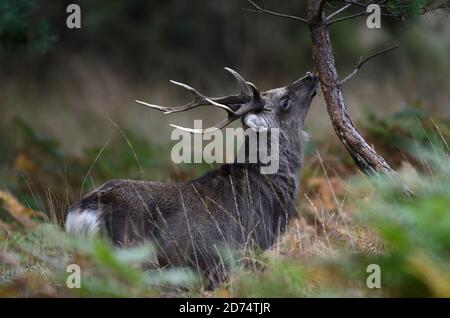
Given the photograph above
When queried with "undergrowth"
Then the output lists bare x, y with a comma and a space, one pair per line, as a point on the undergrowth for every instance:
344, 223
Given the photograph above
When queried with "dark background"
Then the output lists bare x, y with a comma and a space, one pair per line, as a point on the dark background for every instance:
65, 81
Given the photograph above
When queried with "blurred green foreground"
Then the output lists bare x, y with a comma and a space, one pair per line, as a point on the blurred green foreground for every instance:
344, 222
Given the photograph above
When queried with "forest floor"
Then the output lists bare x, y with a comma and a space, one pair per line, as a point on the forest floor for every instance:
345, 222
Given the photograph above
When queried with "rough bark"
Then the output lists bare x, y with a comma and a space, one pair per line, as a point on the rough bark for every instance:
365, 157
362, 153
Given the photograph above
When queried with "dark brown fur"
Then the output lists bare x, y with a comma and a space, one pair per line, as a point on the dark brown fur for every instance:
232, 207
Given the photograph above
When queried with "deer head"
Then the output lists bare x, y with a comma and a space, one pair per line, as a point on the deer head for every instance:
284, 107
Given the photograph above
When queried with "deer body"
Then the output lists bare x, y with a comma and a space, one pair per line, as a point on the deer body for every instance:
233, 207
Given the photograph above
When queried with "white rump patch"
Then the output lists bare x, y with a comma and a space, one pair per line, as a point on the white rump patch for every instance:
83, 222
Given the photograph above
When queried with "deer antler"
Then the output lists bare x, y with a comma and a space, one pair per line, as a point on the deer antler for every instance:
246, 101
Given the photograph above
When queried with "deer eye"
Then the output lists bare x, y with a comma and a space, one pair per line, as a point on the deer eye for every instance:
285, 104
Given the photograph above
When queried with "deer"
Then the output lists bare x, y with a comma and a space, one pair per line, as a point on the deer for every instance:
235, 206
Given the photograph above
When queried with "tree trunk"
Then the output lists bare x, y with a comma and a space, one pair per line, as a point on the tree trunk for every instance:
364, 155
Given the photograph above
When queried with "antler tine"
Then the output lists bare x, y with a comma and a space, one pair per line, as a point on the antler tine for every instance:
153, 106
246, 91
209, 130
199, 100
247, 100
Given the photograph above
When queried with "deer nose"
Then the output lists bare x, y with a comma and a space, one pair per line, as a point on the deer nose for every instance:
309, 79
311, 76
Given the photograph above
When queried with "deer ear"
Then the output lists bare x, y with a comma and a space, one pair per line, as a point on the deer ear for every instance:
256, 122
306, 136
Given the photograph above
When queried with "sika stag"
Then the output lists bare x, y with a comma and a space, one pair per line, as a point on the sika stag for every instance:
235, 206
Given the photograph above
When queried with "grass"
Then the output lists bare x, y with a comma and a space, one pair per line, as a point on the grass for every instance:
344, 223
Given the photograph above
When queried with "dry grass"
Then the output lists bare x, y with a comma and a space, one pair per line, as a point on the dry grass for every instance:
21, 214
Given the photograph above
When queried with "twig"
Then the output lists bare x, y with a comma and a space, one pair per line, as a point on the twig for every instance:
259, 9
362, 13
430, 7
364, 61
339, 11
424, 9
357, 4
348, 17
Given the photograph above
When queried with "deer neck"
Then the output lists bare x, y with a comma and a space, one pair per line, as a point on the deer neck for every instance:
285, 180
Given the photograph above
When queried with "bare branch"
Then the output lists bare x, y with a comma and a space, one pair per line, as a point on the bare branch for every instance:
365, 156
348, 5
348, 17
259, 9
365, 60
434, 7
431, 6
357, 4
362, 13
